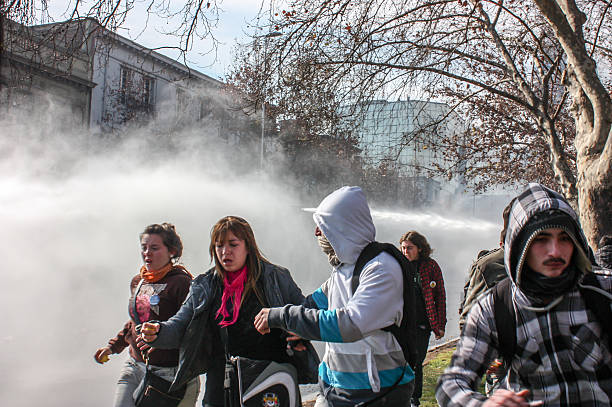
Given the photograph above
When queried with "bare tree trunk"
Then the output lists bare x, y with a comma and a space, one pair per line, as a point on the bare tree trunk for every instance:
592, 109
558, 159
595, 201
594, 162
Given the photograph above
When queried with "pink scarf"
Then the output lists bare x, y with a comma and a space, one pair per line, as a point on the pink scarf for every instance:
233, 287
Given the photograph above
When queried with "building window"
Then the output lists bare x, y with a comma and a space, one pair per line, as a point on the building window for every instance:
148, 85
127, 76
135, 95
181, 101
137, 88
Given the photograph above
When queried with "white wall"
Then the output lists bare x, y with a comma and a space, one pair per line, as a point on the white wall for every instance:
111, 56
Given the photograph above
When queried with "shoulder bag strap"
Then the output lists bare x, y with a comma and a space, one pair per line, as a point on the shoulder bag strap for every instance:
505, 319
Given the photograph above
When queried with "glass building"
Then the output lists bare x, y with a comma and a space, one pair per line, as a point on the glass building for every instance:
402, 137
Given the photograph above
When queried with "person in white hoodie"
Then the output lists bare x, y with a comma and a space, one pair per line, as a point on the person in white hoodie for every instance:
362, 362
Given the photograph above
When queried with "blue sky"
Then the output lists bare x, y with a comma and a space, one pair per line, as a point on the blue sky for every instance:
234, 25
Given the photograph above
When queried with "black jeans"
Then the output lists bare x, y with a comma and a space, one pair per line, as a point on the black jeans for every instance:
422, 340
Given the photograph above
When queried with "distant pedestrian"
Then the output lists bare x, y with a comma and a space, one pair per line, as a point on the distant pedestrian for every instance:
416, 249
603, 256
541, 319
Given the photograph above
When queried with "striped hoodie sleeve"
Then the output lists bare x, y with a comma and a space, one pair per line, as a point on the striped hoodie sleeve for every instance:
318, 299
377, 303
302, 320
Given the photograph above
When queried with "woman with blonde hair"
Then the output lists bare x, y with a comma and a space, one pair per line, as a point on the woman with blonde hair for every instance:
158, 291
218, 315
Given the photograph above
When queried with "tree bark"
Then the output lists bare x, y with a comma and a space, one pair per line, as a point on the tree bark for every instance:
595, 199
592, 110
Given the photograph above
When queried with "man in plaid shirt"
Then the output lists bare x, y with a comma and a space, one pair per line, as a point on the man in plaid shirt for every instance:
562, 356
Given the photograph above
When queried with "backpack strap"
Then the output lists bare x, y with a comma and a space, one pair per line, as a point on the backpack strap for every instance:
505, 319
372, 250
597, 303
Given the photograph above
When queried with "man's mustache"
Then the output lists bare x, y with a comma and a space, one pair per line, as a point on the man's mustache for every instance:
555, 260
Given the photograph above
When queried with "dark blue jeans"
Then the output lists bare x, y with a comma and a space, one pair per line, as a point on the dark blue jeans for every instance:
422, 340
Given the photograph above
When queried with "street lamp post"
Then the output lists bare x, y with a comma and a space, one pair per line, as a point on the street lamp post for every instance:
263, 128
263, 101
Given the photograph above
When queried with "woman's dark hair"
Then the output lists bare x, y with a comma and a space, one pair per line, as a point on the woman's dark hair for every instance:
169, 237
419, 241
242, 230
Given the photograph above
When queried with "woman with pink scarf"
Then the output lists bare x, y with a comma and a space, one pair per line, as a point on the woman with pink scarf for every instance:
222, 303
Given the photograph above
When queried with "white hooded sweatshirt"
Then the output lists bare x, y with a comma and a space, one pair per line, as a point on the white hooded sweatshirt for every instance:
359, 357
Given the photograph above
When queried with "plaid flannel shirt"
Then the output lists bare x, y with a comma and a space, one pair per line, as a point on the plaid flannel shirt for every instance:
433, 293
562, 357
562, 354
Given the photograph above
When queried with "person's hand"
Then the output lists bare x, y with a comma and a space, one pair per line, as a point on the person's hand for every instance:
439, 334
144, 347
149, 330
102, 354
495, 366
261, 321
297, 344
503, 397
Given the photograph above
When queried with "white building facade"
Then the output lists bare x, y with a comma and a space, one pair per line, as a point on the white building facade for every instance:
135, 82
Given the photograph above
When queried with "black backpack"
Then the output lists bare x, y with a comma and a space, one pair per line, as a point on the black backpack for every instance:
505, 316
414, 303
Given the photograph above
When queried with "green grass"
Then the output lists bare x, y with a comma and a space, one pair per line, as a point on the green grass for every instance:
431, 372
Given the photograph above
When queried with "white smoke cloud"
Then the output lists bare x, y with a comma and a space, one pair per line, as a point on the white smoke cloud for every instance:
72, 207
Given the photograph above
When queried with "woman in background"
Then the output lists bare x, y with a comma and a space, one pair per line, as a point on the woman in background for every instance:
416, 248
158, 291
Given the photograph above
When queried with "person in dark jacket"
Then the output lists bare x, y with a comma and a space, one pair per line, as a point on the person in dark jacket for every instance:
158, 291
229, 295
485, 272
603, 256
416, 249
